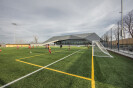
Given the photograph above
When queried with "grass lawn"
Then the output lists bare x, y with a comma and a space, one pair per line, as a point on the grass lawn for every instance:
109, 72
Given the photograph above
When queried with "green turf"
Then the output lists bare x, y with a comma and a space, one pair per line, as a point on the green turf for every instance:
109, 72
114, 72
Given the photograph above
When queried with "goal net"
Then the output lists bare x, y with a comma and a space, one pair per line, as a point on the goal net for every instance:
99, 50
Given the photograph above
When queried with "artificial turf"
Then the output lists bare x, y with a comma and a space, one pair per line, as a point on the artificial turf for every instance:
114, 72
109, 72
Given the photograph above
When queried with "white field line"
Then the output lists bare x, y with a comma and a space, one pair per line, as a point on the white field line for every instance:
36, 70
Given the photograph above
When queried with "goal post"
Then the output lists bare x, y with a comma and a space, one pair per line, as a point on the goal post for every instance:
99, 50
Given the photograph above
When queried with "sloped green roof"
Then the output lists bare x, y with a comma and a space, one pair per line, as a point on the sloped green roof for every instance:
88, 36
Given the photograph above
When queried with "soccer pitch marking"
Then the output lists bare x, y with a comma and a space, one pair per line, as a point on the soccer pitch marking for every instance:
38, 55
92, 72
54, 70
90, 79
36, 70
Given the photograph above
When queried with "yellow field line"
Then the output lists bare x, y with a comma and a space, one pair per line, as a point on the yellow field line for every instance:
38, 55
68, 74
55, 70
31, 56
28, 63
92, 72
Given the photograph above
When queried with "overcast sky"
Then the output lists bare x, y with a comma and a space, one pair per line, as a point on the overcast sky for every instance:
47, 18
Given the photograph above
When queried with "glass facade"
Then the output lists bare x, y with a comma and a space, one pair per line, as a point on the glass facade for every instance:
73, 42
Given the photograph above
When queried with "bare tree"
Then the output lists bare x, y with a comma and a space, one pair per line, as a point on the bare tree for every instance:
107, 37
128, 23
115, 33
35, 39
20, 41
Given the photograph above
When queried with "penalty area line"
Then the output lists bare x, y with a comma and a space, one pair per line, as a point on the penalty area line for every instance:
55, 70
36, 70
37, 55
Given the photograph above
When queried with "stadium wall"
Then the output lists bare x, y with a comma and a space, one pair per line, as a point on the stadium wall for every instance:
15, 45
128, 41
37, 44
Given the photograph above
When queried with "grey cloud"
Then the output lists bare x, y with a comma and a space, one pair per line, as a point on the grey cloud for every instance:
47, 18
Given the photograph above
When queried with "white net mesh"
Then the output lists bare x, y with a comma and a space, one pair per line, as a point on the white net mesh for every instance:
99, 50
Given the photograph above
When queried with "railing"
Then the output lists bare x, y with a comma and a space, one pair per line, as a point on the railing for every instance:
126, 50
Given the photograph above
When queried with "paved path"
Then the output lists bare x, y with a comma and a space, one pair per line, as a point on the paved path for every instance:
122, 52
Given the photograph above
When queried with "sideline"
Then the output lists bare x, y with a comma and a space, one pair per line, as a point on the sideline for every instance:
55, 70
92, 72
39, 55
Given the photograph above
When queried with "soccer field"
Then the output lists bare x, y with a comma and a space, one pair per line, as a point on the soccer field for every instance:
64, 68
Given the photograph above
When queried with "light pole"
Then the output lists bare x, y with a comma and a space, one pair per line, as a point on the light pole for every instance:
122, 32
14, 32
118, 37
111, 38
122, 19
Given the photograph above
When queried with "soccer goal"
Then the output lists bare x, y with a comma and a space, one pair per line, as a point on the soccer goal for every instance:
99, 50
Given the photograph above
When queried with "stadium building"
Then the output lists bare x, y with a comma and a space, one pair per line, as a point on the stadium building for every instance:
76, 39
